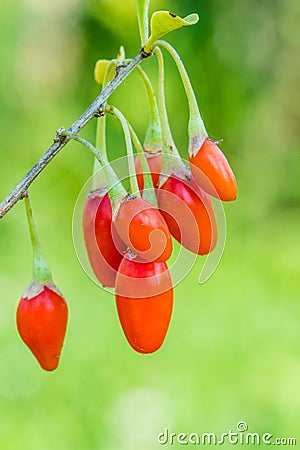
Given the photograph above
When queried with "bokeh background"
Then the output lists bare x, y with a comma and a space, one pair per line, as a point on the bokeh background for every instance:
232, 352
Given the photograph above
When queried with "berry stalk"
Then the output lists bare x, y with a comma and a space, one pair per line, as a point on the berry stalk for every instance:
153, 138
131, 167
116, 190
148, 192
196, 128
41, 271
101, 123
171, 161
142, 9
99, 179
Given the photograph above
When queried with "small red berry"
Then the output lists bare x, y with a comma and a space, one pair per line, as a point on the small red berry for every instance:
41, 322
144, 299
212, 171
154, 162
144, 230
104, 247
189, 213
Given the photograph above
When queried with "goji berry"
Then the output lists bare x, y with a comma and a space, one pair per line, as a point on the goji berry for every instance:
212, 171
104, 247
143, 229
189, 213
144, 299
41, 322
154, 161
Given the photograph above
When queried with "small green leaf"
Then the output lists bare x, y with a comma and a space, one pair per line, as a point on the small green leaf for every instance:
121, 55
162, 22
100, 68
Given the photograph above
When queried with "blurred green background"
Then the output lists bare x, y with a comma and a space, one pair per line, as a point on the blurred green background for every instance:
232, 352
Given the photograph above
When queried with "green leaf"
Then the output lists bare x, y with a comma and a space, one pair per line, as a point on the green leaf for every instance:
121, 55
162, 22
100, 69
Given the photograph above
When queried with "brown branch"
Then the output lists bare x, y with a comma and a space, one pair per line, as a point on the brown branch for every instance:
94, 110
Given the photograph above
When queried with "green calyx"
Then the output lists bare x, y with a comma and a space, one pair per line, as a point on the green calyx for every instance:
163, 22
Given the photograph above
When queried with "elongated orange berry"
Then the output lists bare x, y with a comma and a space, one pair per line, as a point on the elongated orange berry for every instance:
189, 213
42, 322
144, 230
144, 299
154, 161
104, 247
212, 171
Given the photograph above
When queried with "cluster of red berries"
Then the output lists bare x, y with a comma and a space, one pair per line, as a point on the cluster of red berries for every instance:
130, 252
128, 236
128, 241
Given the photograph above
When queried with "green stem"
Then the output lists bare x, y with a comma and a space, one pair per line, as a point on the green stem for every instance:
165, 127
101, 136
99, 179
152, 143
142, 9
101, 124
116, 190
171, 161
131, 167
41, 271
196, 128
148, 192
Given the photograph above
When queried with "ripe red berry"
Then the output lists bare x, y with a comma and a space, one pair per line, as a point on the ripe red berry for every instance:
212, 171
42, 322
104, 247
144, 230
189, 213
154, 162
144, 299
